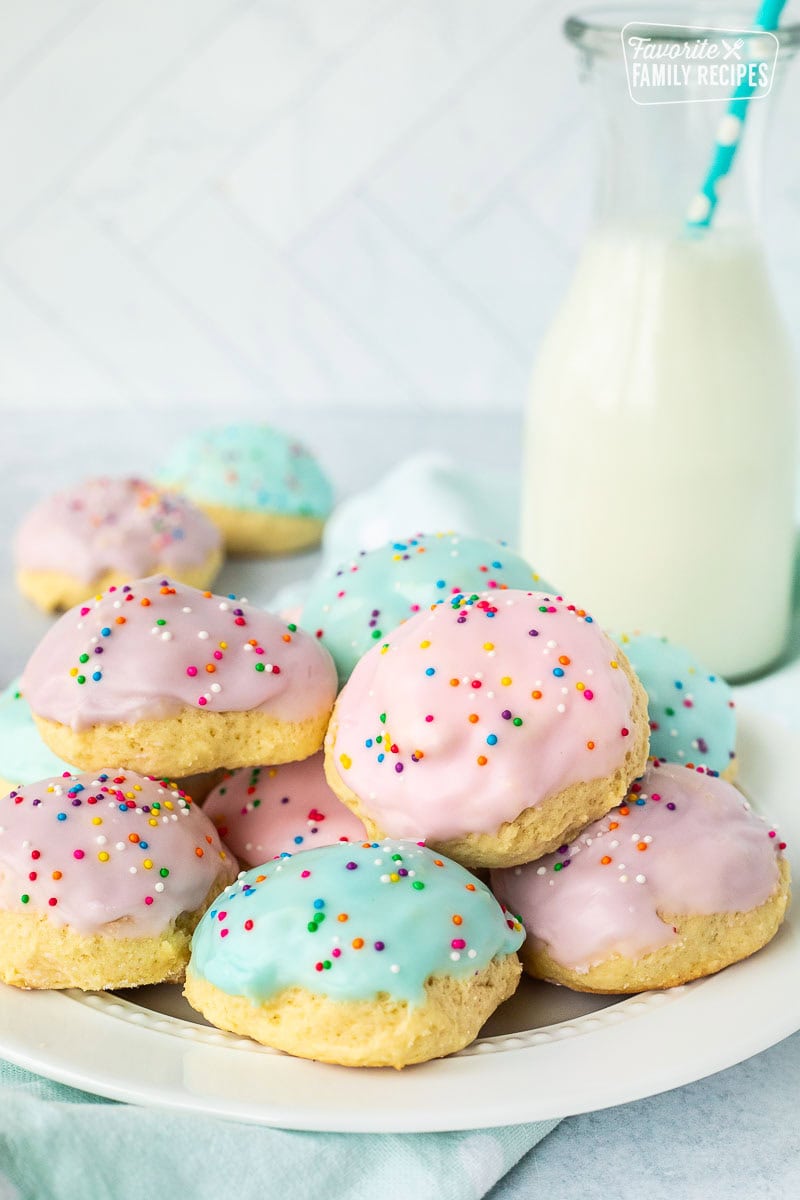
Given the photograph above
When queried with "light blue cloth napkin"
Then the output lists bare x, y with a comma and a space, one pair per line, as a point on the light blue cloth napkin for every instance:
60, 1144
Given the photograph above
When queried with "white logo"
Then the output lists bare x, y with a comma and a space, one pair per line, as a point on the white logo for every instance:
685, 64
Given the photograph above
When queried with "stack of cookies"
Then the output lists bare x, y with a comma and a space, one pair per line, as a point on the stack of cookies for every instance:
471, 763
105, 873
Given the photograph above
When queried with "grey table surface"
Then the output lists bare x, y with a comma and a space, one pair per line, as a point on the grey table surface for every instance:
734, 1134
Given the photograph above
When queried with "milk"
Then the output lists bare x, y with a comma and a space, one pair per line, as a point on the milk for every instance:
659, 465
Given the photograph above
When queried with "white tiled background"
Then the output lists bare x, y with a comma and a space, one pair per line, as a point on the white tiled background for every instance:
277, 202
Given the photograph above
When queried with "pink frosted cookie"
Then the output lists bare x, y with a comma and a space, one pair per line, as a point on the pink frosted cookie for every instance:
102, 532
103, 878
679, 881
172, 681
494, 726
263, 812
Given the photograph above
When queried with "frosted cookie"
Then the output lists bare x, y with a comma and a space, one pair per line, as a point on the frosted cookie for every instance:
103, 878
494, 727
358, 603
365, 955
172, 681
262, 812
262, 488
101, 532
24, 757
692, 712
678, 882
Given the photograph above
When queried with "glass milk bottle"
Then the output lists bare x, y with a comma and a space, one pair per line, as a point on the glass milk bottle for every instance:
659, 459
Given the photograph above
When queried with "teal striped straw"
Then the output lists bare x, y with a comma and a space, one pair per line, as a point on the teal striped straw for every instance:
729, 133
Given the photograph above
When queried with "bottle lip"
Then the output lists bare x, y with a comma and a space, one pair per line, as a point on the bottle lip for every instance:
597, 29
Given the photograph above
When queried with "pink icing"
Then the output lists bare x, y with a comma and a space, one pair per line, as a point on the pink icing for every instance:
684, 842
153, 648
476, 710
106, 846
123, 525
263, 812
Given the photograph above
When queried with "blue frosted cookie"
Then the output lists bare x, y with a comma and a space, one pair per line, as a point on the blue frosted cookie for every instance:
263, 489
353, 606
367, 954
692, 712
24, 757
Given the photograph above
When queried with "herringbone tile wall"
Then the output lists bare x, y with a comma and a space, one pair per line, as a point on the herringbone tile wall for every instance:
275, 202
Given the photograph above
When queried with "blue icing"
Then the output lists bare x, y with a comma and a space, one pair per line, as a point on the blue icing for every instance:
24, 757
398, 903
692, 717
353, 606
251, 467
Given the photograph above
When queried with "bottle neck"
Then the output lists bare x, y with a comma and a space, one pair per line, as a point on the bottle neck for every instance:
651, 159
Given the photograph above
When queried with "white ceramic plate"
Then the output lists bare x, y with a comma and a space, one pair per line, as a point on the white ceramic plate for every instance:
546, 1053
